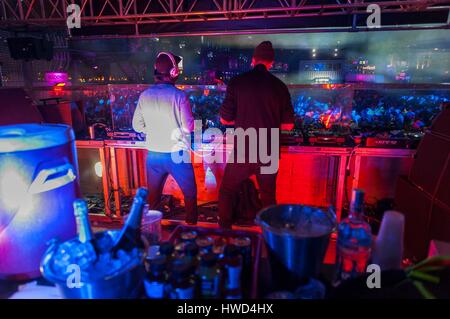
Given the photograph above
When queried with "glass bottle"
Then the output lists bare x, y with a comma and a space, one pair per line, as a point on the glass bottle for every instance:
86, 251
130, 235
232, 266
183, 284
210, 277
155, 281
354, 241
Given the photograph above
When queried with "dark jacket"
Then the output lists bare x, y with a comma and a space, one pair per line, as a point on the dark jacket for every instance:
257, 99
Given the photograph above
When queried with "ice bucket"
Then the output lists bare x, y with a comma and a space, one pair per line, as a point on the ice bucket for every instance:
297, 239
124, 283
38, 184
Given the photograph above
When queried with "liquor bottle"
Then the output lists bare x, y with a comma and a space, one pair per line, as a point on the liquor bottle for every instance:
232, 265
210, 277
167, 249
191, 253
87, 251
130, 235
354, 241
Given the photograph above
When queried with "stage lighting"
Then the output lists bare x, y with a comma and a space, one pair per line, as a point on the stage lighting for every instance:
98, 169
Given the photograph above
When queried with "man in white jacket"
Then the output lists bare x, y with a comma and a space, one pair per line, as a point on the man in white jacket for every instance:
164, 114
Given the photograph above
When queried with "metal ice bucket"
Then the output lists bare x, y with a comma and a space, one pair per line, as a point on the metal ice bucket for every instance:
297, 239
124, 284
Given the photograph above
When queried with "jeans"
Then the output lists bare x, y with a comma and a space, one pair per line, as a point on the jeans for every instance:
234, 175
159, 166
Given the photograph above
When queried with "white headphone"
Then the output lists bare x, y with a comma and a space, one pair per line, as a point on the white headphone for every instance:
175, 71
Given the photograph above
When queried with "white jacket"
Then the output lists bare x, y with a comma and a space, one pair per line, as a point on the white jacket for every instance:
164, 114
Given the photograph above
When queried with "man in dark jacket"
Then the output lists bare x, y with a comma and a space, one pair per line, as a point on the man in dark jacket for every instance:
256, 100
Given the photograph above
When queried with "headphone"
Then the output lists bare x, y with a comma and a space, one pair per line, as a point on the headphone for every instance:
175, 71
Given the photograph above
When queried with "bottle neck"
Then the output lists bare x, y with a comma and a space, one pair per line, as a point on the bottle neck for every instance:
84, 229
137, 209
356, 213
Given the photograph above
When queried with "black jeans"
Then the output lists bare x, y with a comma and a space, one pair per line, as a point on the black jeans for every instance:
234, 175
159, 166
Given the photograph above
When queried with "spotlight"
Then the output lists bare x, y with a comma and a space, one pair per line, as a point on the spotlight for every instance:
98, 169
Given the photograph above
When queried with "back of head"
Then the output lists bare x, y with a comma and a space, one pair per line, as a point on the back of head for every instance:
264, 54
166, 67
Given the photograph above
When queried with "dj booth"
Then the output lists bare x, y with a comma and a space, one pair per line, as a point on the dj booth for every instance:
296, 163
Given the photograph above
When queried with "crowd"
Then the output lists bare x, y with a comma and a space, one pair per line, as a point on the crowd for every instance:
369, 111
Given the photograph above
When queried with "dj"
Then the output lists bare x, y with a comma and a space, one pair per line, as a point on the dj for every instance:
254, 100
164, 114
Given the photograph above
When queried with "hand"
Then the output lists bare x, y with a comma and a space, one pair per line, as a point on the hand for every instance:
287, 126
225, 122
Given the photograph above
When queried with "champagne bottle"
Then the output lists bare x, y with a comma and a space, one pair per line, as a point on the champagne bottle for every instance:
130, 235
84, 230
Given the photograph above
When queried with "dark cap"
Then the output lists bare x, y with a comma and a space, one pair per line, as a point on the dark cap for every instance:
264, 52
164, 64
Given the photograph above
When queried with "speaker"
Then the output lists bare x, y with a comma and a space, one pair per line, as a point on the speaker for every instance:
431, 158
90, 176
441, 124
443, 192
440, 222
57, 112
27, 49
16, 108
416, 205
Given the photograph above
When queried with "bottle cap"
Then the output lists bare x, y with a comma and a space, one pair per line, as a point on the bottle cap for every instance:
142, 193
188, 236
204, 242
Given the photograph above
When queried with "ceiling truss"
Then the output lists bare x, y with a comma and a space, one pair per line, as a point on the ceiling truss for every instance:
113, 12
137, 15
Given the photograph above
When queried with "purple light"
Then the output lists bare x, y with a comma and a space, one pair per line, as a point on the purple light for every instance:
53, 78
